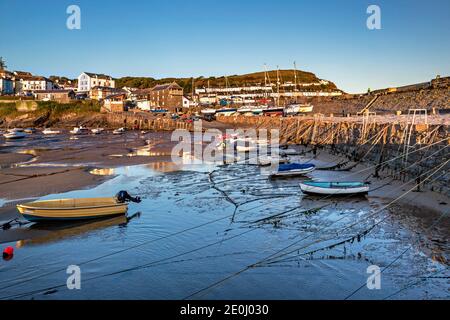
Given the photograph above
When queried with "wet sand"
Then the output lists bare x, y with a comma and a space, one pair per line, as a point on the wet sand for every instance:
65, 165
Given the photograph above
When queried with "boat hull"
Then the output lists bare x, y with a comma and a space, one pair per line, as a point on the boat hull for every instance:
292, 173
71, 209
334, 191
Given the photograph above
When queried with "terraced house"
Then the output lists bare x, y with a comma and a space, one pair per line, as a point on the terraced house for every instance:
33, 83
88, 80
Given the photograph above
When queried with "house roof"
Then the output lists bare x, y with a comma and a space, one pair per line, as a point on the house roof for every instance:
98, 75
23, 73
35, 78
166, 86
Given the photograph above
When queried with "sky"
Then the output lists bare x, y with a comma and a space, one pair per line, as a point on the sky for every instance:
179, 38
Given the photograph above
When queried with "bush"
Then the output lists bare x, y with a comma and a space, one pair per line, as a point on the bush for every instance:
61, 108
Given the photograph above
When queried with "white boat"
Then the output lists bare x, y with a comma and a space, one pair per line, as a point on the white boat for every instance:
79, 130
97, 130
334, 188
226, 111
294, 109
49, 131
13, 135
119, 131
293, 169
208, 111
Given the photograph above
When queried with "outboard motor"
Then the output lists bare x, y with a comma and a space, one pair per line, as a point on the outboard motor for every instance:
124, 196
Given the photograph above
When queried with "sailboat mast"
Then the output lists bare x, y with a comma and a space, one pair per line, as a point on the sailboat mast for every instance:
278, 85
295, 76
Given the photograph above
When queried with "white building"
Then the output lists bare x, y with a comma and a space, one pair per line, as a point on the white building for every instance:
87, 80
33, 83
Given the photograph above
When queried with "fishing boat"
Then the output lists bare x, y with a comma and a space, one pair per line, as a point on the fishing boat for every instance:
79, 130
76, 209
293, 169
49, 131
119, 131
334, 188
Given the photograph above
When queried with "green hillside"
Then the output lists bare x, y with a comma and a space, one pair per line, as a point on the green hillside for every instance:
233, 80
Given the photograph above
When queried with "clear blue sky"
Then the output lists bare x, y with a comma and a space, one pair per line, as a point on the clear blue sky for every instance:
212, 37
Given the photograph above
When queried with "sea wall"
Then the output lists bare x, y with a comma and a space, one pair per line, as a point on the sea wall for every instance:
401, 149
145, 121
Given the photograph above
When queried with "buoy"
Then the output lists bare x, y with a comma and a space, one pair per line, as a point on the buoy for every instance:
8, 253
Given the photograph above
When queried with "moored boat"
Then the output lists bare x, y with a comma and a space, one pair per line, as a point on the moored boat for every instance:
76, 209
334, 188
49, 131
14, 135
97, 130
70, 209
293, 169
119, 131
79, 130
294, 109
226, 111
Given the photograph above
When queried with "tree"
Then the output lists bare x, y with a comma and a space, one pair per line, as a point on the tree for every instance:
2, 64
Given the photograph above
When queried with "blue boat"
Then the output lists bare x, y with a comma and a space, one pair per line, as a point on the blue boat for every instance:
293, 169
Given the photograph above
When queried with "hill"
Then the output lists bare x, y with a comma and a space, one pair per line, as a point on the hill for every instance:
233, 80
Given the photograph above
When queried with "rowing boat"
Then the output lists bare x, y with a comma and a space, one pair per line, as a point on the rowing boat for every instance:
72, 209
293, 169
334, 188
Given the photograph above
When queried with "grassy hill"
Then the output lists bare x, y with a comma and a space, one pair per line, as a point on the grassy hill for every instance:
233, 80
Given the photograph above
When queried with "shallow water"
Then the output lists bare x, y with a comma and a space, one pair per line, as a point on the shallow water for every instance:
198, 225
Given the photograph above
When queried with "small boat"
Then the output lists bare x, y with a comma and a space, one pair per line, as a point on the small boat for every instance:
76, 209
273, 112
14, 135
49, 131
208, 111
226, 111
97, 130
119, 131
293, 169
79, 130
334, 188
294, 109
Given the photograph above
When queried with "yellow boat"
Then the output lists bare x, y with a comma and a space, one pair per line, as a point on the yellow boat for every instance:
72, 209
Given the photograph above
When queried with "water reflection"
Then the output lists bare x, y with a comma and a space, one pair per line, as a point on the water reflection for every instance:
55, 232
102, 172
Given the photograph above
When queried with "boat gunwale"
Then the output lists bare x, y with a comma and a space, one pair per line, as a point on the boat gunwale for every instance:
331, 186
28, 206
